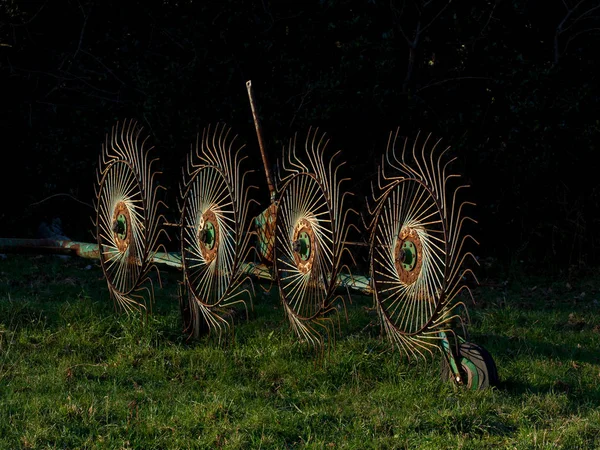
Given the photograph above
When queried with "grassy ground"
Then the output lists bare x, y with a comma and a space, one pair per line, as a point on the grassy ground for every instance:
73, 374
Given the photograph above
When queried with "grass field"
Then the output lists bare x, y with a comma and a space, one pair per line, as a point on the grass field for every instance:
74, 374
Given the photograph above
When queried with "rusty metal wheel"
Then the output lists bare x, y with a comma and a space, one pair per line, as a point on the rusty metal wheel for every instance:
416, 246
309, 238
214, 231
127, 216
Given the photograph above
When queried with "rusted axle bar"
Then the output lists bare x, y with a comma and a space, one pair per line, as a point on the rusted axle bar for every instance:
53, 246
173, 259
73, 248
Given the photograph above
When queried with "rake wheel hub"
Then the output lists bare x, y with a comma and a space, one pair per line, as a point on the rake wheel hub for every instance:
303, 245
122, 226
208, 235
408, 255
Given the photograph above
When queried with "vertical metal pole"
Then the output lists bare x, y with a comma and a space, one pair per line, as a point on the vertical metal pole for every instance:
263, 153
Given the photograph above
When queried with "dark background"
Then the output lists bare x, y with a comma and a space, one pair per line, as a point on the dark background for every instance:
512, 86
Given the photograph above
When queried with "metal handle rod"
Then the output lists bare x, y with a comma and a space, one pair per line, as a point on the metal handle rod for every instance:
263, 153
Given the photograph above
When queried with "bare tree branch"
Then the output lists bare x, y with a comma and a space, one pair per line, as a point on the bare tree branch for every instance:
27, 22
85, 19
61, 195
584, 15
561, 28
436, 16
448, 80
413, 43
572, 38
398, 13
489, 19
99, 61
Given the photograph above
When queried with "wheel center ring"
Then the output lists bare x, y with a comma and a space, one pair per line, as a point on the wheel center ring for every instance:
408, 255
121, 227
208, 235
303, 245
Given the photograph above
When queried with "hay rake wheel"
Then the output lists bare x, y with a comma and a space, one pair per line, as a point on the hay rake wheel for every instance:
417, 251
302, 233
309, 238
214, 238
127, 216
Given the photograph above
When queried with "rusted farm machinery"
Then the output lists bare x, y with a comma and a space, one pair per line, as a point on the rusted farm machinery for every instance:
415, 235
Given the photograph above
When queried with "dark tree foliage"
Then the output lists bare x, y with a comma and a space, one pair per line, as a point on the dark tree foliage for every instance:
512, 86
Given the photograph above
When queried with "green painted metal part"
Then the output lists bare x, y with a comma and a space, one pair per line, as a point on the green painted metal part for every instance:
209, 235
449, 355
171, 259
121, 226
359, 283
410, 255
257, 270
455, 362
304, 244
474, 372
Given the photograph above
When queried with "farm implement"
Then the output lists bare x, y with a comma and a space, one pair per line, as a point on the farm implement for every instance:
300, 242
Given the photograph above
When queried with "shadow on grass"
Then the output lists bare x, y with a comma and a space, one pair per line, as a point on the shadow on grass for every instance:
542, 360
